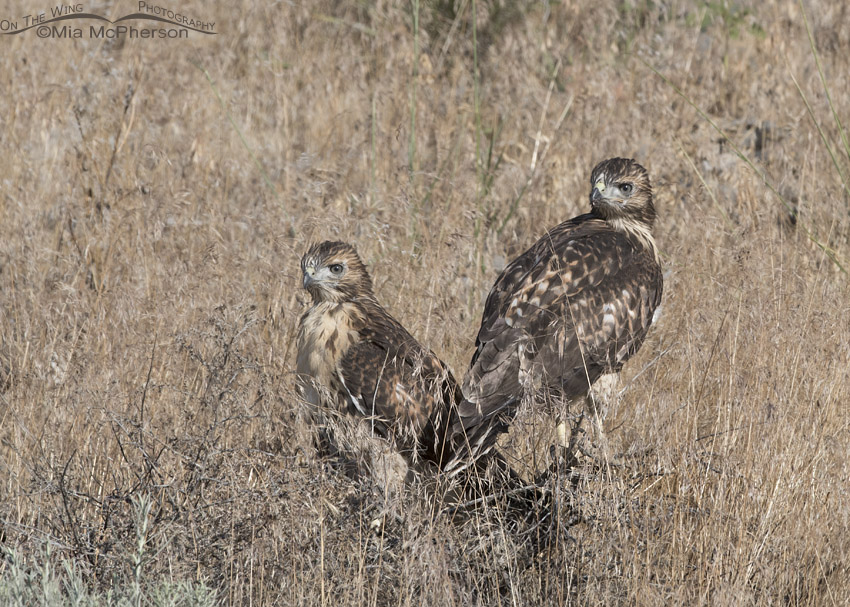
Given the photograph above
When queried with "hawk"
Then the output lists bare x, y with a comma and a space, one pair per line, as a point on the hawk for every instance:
576, 305
354, 356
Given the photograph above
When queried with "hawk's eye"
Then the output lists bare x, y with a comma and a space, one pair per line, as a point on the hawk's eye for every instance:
336, 268
626, 188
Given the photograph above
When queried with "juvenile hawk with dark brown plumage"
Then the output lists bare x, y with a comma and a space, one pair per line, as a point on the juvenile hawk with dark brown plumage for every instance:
353, 356
574, 306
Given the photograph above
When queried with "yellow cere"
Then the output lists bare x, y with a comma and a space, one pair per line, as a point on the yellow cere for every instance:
600, 185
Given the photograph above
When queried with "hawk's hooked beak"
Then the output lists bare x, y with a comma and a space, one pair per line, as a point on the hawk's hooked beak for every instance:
598, 192
309, 276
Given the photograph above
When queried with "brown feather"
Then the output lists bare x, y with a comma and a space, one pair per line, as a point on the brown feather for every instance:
574, 306
354, 356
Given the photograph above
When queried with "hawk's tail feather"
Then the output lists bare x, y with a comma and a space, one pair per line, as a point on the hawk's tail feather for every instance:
461, 442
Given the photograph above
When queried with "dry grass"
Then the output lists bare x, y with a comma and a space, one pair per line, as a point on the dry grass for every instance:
149, 292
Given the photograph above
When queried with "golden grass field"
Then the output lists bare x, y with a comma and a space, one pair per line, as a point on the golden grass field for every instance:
156, 196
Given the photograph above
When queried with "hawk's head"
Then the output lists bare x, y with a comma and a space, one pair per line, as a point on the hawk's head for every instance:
622, 195
333, 271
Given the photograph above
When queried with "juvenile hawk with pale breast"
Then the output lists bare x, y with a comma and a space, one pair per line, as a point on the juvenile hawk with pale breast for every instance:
576, 305
354, 356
